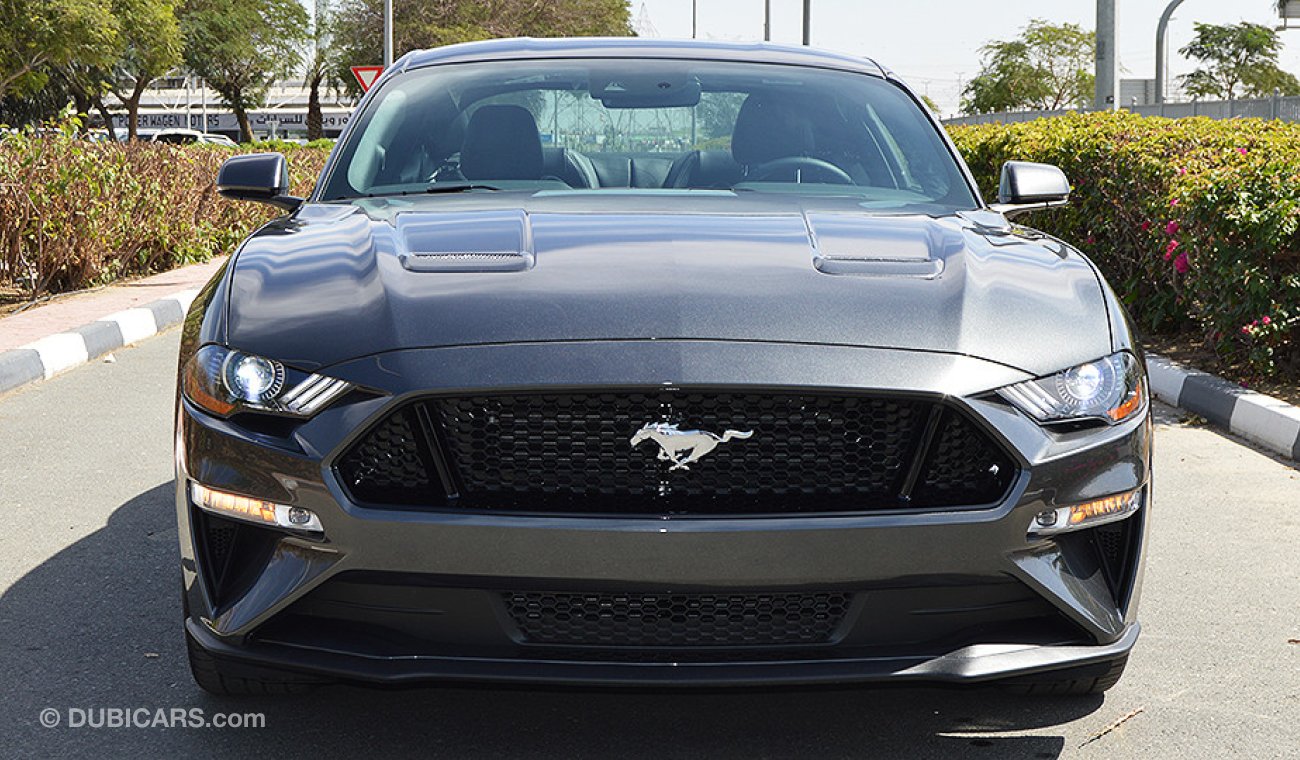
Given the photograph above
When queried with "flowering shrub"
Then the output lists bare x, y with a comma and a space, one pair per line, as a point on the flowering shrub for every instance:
76, 214
1196, 223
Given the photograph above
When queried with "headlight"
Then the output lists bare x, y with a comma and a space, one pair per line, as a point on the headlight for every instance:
224, 381
1109, 389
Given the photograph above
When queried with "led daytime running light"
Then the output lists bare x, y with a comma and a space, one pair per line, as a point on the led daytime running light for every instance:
1086, 515
254, 510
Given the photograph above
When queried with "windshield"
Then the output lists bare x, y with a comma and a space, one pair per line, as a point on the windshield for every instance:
596, 125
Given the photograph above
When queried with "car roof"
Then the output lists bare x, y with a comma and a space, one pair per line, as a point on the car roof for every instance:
637, 47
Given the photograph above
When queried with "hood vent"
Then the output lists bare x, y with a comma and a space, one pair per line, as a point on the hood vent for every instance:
465, 261
474, 241
848, 244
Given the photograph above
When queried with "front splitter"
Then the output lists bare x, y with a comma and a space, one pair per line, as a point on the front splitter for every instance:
972, 664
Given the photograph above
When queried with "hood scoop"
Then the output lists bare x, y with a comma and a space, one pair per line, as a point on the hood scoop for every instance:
904, 247
478, 241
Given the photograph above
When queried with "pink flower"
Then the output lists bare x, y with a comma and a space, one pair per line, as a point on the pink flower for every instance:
1255, 323
1092, 240
1169, 249
1174, 202
1180, 264
1266, 320
1146, 226
1181, 171
1242, 151
1171, 229
1245, 329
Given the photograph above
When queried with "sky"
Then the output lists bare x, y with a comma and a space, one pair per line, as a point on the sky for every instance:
934, 44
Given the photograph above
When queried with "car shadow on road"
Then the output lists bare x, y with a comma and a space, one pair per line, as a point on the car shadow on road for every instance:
98, 626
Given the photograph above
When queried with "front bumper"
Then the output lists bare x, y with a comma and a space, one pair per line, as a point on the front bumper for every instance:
940, 596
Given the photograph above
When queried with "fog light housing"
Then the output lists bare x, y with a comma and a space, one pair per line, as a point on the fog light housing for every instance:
252, 510
1086, 515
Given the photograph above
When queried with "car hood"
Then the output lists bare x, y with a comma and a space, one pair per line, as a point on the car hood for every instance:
337, 282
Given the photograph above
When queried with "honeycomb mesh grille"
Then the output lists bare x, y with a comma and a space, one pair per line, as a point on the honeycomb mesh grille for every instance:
390, 464
572, 453
963, 465
676, 620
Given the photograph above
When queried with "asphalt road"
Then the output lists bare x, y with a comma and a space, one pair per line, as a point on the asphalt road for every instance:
90, 619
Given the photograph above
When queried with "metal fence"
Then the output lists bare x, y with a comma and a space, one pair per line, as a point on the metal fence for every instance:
1277, 107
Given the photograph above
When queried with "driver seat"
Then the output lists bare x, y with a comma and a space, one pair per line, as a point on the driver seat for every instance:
501, 142
767, 129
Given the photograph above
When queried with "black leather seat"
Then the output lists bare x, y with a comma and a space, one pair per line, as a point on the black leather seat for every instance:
569, 166
713, 169
501, 142
767, 129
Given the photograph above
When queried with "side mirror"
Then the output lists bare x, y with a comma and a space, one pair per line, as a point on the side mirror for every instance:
261, 177
1028, 186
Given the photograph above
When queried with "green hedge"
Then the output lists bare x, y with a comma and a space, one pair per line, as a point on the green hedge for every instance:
76, 214
1196, 223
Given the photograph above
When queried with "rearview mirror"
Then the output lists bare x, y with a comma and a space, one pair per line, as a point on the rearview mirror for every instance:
1027, 186
261, 177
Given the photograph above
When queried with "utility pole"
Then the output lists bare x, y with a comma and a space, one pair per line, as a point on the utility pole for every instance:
767, 20
694, 16
807, 22
1107, 95
388, 33
1162, 31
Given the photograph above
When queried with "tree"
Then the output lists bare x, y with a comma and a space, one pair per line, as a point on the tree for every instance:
42, 105
1048, 68
321, 66
151, 46
241, 46
37, 37
86, 86
1236, 60
358, 27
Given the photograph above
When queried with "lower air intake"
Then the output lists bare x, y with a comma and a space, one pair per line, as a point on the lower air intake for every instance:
676, 620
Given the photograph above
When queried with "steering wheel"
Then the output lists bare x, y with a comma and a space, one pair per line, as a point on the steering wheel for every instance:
768, 168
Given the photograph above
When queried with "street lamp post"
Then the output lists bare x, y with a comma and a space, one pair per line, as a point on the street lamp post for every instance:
1162, 31
807, 22
1107, 94
388, 33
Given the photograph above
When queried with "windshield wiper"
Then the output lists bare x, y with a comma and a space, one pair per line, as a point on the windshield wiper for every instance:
459, 188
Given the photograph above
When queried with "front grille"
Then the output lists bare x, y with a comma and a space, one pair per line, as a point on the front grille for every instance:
572, 453
676, 620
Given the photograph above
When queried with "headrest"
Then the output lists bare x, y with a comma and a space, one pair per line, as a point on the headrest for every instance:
767, 130
501, 142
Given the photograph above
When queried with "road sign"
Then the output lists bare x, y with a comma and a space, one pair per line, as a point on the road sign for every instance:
367, 75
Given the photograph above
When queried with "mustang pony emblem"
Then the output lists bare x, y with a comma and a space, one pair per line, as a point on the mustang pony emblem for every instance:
682, 447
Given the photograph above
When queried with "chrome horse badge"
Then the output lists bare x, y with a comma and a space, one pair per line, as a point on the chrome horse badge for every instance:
682, 447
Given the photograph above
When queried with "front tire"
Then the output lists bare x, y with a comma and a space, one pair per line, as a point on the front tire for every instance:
1075, 682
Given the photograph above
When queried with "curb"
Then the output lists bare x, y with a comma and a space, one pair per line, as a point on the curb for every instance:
1264, 420
53, 354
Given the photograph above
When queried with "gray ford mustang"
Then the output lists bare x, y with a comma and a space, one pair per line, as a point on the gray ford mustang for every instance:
623, 362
